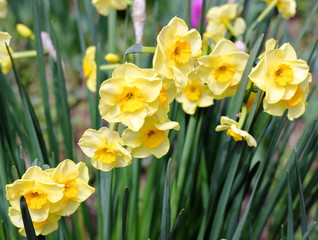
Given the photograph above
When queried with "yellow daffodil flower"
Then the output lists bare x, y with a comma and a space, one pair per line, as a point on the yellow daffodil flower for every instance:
44, 227
105, 148
152, 138
286, 7
75, 178
177, 47
4, 39
89, 68
194, 94
103, 6
233, 130
130, 95
295, 105
39, 191
269, 45
3, 8
219, 21
279, 73
223, 69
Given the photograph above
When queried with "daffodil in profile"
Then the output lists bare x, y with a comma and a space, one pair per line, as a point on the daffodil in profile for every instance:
105, 148
223, 69
44, 227
220, 21
76, 189
89, 68
130, 95
286, 7
166, 96
4, 40
152, 138
39, 191
295, 106
194, 94
177, 48
233, 130
103, 6
6, 64
279, 73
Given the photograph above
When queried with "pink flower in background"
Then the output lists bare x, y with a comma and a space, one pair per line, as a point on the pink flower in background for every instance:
196, 9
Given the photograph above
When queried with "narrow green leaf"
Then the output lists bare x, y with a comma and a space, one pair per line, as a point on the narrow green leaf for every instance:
290, 222
43, 79
166, 213
176, 225
307, 24
124, 216
62, 102
239, 96
303, 215
309, 230
136, 48
27, 221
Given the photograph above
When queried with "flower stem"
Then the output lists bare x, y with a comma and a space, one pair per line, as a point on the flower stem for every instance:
242, 117
148, 49
24, 54
266, 11
230, 28
108, 67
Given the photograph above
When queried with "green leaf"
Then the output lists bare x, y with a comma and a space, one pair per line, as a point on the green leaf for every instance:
124, 216
176, 225
303, 215
309, 230
239, 96
290, 222
136, 48
27, 221
166, 211
307, 24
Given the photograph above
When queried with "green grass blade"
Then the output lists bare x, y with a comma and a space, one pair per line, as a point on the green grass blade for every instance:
43, 79
27, 221
166, 211
239, 96
309, 230
303, 215
176, 225
290, 222
124, 216
307, 24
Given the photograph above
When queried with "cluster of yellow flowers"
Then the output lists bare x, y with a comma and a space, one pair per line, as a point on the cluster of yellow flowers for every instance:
49, 194
284, 78
139, 99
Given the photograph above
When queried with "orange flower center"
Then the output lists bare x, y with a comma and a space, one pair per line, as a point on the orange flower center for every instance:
224, 73
283, 75
131, 100
70, 190
153, 138
35, 199
192, 91
236, 136
105, 155
182, 51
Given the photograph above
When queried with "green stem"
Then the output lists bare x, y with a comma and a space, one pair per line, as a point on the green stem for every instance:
231, 28
242, 117
24, 54
266, 11
148, 49
108, 67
